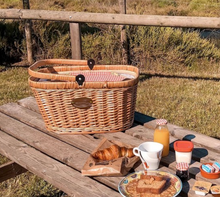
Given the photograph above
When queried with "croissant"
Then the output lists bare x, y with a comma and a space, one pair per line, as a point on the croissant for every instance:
113, 152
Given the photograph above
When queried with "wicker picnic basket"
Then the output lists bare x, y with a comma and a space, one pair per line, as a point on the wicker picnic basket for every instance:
73, 99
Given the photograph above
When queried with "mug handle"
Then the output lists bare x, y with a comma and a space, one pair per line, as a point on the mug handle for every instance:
136, 151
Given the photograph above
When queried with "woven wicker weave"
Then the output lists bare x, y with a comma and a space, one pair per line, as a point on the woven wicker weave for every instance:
112, 103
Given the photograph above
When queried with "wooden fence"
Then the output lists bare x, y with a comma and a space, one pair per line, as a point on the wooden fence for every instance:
75, 18
106, 18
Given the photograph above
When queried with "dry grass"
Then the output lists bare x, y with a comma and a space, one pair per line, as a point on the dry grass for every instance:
13, 85
160, 7
28, 185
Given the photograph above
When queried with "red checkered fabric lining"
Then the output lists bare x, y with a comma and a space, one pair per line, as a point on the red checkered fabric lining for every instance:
99, 76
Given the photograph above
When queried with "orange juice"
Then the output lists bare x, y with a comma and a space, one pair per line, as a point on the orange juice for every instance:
162, 135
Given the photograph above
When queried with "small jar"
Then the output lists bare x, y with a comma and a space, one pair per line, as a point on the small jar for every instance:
162, 135
183, 151
182, 171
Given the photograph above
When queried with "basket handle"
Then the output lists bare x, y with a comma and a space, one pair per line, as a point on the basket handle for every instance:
32, 70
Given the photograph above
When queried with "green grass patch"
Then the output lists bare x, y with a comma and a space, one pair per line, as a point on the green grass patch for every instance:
192, 104
14, 85
28, 185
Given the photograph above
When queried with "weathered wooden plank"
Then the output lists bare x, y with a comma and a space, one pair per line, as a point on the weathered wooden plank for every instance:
108, 18
39, 140
35, 120
199, 154
10, 170
196, 138
30, 103
116, 136
57, 149
124, 41
143, 134
56, 173
76, 43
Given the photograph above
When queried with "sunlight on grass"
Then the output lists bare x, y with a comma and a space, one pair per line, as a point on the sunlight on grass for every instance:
14, 85
192, 104
28, 185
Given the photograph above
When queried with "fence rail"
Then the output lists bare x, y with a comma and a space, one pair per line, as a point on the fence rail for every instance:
106, 18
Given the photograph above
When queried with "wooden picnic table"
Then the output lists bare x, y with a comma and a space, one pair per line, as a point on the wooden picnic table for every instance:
58, 159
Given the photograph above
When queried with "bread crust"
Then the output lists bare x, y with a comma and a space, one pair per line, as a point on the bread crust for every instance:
150, 184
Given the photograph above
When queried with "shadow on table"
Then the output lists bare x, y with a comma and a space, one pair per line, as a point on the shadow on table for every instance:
197, 153
186, 188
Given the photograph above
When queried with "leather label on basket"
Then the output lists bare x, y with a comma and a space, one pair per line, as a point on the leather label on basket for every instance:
82, 103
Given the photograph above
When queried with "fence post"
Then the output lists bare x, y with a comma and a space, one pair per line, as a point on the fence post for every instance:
76, 45
27, 28
124, 42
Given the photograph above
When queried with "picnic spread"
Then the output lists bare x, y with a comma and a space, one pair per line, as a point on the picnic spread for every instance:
81, 133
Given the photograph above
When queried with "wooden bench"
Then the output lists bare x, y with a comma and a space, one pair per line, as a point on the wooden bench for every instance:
58, 159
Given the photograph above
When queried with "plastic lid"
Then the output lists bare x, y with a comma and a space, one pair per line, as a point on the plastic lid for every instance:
161, 122
183, 146
182, 166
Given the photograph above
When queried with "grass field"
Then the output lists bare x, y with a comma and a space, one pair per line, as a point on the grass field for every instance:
180, 78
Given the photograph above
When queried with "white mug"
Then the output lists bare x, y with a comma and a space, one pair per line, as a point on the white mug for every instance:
150, 154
